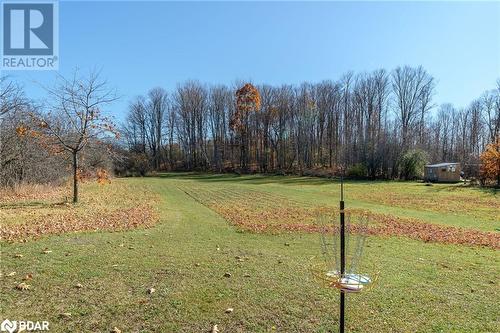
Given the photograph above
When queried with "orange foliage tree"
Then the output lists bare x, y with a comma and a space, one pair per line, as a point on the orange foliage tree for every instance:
490, 162
75, 120
247, 102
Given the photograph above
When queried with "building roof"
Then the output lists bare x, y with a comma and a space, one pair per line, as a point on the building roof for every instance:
441, 164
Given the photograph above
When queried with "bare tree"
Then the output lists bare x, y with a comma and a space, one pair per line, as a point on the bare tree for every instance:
136, 130
219, 104
412, 89
190, 103
74, 118
491, 106
157, 105
11, 95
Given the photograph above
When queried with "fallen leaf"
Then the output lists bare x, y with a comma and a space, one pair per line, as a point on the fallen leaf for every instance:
79, 286
229, 310
23, 286
215, 329
11, 274
28, 277
65, 315
18, 255
116, 330
151, 290
227, 274
115, 220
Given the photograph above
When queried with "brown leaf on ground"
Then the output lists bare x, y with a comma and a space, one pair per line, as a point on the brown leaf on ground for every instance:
276, 214
119, 220
23, 286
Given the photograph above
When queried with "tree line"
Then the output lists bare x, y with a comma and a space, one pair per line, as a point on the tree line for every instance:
366, 124
381, 124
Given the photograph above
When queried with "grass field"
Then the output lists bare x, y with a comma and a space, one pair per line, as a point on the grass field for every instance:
261, 231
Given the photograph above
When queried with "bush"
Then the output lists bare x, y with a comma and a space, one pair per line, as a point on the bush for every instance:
411, 164
490, 163
358, 170
131, 163
319, 172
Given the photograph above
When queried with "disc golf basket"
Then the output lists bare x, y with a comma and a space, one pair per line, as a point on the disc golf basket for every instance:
342, 244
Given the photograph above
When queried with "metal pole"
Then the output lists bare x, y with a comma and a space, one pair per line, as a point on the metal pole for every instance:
342, 254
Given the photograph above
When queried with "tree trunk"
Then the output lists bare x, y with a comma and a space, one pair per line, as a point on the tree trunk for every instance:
75, 177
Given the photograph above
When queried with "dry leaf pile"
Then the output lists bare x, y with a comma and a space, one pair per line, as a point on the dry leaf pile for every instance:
26, 192
452, 201
266, 212
140, 216
113, 207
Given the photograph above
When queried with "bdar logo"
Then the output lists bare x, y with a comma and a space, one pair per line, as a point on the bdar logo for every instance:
8, 326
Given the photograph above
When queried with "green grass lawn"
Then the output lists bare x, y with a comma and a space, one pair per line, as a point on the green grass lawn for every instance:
421, 287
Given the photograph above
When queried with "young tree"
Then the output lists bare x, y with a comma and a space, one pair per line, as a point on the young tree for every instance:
490, 162
75, 119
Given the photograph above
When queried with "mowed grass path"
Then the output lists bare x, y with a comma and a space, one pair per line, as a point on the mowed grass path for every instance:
422, 287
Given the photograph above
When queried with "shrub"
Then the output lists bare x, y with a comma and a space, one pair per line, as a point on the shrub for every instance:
411, 164
358, 170
490, 163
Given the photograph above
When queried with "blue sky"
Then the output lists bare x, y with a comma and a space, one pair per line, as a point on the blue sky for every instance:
140, 45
